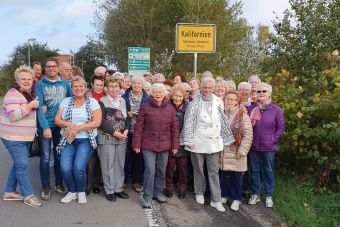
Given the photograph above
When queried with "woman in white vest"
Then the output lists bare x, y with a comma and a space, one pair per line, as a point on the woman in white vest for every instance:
204, 133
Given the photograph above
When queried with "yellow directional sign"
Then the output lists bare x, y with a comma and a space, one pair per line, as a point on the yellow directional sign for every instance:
195, 38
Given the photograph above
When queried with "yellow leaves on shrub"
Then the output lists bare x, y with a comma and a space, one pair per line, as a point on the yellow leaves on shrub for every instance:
335, 53
337, 84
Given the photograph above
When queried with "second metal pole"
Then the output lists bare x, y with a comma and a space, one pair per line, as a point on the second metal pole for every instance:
195, 65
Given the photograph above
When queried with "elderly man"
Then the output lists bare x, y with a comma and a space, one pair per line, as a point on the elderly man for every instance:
254, 80
65, 71
37, 74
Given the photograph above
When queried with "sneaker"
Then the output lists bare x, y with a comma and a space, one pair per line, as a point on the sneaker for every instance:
32, 201
168, 193
45, 194
146, 203
12, 196
61, 190
218, 206
160, 198
235, 205
199, 199
224, 200
138, 187
82, 198
253, 200
69, 197
269, 202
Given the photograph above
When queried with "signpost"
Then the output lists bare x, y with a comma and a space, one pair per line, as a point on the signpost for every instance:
138, 60
195, 38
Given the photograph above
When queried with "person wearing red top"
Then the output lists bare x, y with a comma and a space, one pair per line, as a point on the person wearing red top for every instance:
93, 167
37, 74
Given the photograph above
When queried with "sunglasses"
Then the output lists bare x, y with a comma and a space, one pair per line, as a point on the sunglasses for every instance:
263, 91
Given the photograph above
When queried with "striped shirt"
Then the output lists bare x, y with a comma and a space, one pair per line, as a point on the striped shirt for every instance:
18, 122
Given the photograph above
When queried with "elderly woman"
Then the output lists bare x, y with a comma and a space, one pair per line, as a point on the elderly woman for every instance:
231, 85
204, 133
179, 78
254, 80
134, 164
158, 78
243, 90
195, 88
268, 127
78, 117
112, 140
148, 77
180, 159
220, 87
156, 134
233, 158
147, 88
18, 126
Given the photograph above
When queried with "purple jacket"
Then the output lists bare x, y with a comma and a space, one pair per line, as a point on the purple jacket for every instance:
268, 131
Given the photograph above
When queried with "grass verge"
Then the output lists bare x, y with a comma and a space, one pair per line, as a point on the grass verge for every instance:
305, 204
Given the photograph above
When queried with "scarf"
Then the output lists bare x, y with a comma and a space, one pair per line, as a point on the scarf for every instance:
28, 95
255, 114
68, 117
236, 125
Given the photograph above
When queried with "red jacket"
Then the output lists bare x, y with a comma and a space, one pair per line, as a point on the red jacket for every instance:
157, 127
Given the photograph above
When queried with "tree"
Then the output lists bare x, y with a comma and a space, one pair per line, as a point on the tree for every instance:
306, 36
152, 24
90, 56
38, 52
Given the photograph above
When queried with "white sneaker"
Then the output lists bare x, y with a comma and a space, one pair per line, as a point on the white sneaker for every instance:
235, 205
224, 200
253, 200
69, 197
269, 202
199, 199
218, 206
82, 198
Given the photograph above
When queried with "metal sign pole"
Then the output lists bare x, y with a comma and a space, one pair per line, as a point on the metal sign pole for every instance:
195, 65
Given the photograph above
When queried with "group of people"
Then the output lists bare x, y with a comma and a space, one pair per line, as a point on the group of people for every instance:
152, 130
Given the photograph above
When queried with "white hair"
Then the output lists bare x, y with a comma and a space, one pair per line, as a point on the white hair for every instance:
206, 80
138, 78
100, 70
207, 74
221, 80
232, 83
158, 76
254, 76
118, 75
244, 85
23, 68
265, 86
158, 86
146, 85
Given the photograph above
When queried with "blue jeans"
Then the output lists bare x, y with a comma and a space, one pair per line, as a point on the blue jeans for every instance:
19, 173
154, 173
46, 151
73, 162
262, 163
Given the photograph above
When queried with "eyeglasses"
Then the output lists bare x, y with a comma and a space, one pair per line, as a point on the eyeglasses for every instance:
263, 91
51, 66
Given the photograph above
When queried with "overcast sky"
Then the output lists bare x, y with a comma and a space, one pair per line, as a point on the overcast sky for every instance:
66, 24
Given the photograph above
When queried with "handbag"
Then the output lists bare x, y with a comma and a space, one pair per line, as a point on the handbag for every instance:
35, 148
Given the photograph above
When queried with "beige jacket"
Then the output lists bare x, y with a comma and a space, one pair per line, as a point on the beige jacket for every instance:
228, 161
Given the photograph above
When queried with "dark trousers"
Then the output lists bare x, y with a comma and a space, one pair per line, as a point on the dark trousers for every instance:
181, 164
231, 184
134, 163
94, 172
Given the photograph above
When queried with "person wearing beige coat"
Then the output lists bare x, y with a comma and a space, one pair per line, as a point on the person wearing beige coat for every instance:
233, 158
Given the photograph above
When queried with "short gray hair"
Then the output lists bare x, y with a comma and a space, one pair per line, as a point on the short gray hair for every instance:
266, 86
232, 83
138, 78
206, 80
146, 85
254, 76
158, 76
158, 86
221, 80
245, 85
23, 68
207, 74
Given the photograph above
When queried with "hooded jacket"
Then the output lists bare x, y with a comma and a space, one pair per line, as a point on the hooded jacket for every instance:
50, 94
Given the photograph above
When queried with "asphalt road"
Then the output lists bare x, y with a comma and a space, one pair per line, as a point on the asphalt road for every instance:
100, 212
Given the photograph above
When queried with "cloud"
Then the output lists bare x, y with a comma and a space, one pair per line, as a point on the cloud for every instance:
78, 8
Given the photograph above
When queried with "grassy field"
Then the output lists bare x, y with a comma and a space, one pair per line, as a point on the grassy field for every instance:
304, 204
